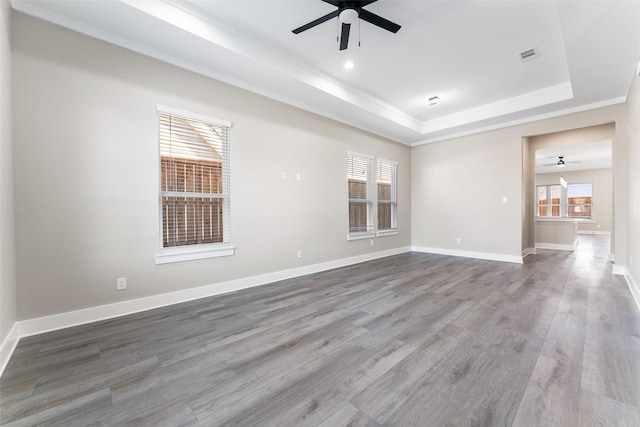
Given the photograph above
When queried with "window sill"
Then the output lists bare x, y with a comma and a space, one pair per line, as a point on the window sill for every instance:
360, 236
390, 232
565, 219
191, 253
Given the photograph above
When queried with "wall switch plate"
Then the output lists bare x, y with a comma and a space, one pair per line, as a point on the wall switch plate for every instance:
300, 253
121, 283
458, 240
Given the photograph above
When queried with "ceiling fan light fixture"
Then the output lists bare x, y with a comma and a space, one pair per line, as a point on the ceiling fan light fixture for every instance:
348, 16
434, 100
560, 161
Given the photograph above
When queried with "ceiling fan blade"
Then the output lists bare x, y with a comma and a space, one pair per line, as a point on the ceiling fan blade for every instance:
379, 21
344, 36
317, 21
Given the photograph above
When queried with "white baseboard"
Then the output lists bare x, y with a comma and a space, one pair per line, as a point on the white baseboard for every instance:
606, 233
529, 251
8, 346
620, 270
555, 246
93, 314
634, 288
469, 254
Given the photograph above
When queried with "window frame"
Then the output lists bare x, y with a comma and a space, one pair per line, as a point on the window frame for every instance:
393, 201
564, 204
181, 253
569, 205
369, 161
549, 205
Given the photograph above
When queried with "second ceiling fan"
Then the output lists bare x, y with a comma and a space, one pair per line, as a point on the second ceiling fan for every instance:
349, 12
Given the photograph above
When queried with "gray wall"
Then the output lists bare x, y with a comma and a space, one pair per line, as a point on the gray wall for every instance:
458, 185
457, 191
602, 200
7, 247
86, 175
633, 240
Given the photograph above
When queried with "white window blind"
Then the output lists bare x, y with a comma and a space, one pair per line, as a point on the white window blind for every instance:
359, 177
194, 181
387, 177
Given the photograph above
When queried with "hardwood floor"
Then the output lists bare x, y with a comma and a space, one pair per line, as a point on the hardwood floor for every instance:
413, 339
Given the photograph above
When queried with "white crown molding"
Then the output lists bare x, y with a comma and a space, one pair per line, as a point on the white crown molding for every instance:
531, 119
545, 96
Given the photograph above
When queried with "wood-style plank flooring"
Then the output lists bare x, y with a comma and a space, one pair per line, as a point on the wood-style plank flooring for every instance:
409, 340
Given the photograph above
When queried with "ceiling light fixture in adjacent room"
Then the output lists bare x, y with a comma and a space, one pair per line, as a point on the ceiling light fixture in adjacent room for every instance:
563, 182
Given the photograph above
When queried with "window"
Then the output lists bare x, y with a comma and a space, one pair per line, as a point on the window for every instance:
579, 200
387, 173
572, 201
549, 197
194, 186
359, 178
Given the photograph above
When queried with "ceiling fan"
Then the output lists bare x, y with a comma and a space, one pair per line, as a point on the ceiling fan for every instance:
561, 162
349, 12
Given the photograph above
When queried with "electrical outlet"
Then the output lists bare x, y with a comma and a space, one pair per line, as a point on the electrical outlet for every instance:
458, 240
371, 242
283, 175
121, 283
300, 253
298, 177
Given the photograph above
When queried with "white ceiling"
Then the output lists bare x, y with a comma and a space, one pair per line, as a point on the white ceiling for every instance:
464, 52
584, 156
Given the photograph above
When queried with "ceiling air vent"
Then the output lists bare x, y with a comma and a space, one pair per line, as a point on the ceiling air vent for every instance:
529, 54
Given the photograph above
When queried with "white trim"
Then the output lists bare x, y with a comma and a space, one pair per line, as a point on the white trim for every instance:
634, 288
529, 251
525, 120
548, 95
8, 346
361, 235
619, 270
387, 232
469, 254
607, 233
93, 314
190, 253
556, 246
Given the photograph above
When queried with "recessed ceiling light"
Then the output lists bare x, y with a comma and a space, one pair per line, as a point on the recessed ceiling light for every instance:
349, 65
433, 100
